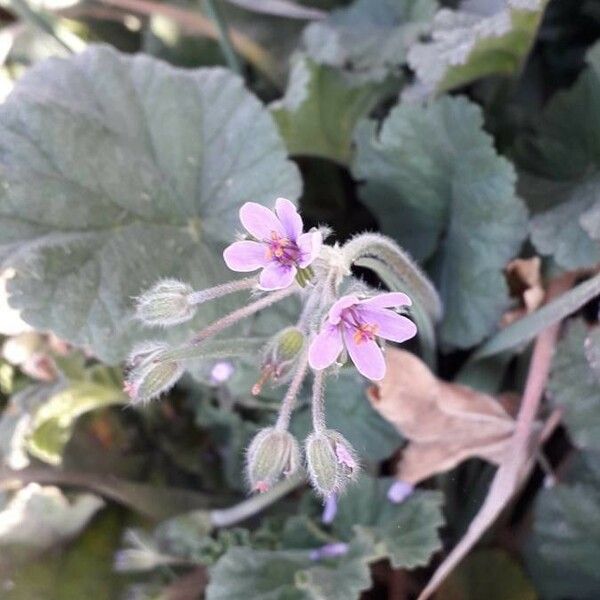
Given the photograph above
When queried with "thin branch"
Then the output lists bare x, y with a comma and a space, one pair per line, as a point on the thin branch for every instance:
214, 12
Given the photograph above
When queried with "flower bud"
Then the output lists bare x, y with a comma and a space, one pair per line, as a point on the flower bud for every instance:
331, 461
280, 356
166, 303
273, 454
151, 376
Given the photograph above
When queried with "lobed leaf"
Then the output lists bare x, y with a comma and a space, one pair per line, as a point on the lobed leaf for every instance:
406, 533
145, 167
370, 38
466, 45
574, 385
320, 109
437, 185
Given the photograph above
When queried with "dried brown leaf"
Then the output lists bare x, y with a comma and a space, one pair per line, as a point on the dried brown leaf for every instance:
445, 423
525, 281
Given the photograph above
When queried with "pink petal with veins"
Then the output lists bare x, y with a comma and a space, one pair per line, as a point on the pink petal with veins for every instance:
276, 276
366, 356
259, 221
289, 218
325, 347
245, 256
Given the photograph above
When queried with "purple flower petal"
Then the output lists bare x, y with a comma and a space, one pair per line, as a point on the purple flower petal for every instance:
310, 245
245, 256
390, 325
329, 510
259, 221
399, 491
344, 457
289, 218
325, 348
366, 355
276, 276
389, 300
335, 312
329, 551
221, 372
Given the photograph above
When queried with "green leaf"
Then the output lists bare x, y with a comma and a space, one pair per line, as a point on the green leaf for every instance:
146, 167
369, 39
349, 412
563, 156
40, 517
406, 533
53, 422
489, 574
528, 327
247, 574
563, 550
15, 423
320, 109
232, 435
466, 46
82, 570
438, 186
575, 386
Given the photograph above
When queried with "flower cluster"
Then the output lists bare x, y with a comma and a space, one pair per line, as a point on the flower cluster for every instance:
340, 318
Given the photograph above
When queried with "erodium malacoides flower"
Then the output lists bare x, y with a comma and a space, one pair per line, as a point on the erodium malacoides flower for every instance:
339, 317
279, 247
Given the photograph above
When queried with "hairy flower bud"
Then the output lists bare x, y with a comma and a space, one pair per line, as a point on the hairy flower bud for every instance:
331, 461
150, 376
280, 355
272, 454
166, 303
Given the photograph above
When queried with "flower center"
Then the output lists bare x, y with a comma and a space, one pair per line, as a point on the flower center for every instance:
284, 251
365, 332
362, 332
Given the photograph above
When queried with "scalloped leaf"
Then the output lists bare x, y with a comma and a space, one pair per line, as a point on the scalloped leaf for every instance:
406, 533
320, 109
119, 170
574, 385
466, 45
440, 189
563, 549
563, 158
368, 39
248, 574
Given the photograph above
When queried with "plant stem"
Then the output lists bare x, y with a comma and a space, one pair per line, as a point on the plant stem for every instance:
318, 402
45, 22
214, 12
539, 368
289, 401
224, 289
227, 517
242, 313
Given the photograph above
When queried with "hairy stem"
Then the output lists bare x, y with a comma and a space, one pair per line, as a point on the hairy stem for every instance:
318, 402
222, 290
289, 401
227, 517
242, 313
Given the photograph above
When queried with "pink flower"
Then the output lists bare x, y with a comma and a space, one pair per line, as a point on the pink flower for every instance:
355, 323
280, 248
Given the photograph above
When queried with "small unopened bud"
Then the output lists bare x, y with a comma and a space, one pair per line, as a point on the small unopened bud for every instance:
151, 376
331, 461
280, 356
272, 455
167, 303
